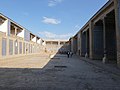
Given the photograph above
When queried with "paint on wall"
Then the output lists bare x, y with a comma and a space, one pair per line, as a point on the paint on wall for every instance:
10, 47
16, 46
24, 48
31, 48
20, 47
27, 35
4, 48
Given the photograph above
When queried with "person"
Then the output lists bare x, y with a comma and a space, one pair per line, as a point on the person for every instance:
45, 50
71, 53
68, 54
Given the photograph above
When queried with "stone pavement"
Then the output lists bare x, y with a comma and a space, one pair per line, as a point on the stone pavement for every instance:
109, 67
59, 73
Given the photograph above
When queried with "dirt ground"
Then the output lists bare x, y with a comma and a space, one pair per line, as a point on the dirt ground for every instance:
57, 73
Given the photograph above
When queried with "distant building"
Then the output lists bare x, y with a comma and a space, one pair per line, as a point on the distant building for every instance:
99, 38
56, 46
16, 40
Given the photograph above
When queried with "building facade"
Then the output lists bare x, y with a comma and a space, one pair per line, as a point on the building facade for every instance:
56, 46
15, 40
99, 38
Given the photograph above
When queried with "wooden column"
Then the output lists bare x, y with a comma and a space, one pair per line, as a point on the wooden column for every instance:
117, 21
91, 39
86, 35
80, 43
0, 47
15, 31
105, 60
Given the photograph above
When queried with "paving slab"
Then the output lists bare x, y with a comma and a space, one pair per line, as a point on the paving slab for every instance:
58, 73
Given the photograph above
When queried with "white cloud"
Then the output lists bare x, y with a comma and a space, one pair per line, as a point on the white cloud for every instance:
54, 2
47, 20
50, 35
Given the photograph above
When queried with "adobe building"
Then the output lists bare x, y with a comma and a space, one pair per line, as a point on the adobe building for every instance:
99, 38
56, 46
16, 40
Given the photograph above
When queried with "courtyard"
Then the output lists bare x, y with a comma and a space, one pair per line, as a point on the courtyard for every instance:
38, 72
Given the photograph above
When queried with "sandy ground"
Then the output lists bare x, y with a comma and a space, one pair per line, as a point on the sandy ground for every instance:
34, 61
58, 73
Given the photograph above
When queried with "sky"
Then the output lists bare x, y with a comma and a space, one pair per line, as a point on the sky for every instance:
53, 19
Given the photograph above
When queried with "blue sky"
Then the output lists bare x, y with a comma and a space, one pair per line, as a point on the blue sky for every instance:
51, 18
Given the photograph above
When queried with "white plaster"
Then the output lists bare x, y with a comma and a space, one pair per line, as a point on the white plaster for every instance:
38, 41
34, 39
21, 34
5, 27
44, 43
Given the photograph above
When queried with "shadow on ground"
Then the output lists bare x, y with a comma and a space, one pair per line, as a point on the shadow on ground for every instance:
60, 73
34, 78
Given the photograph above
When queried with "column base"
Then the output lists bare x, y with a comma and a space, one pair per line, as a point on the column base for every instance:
105, 60
86, 55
